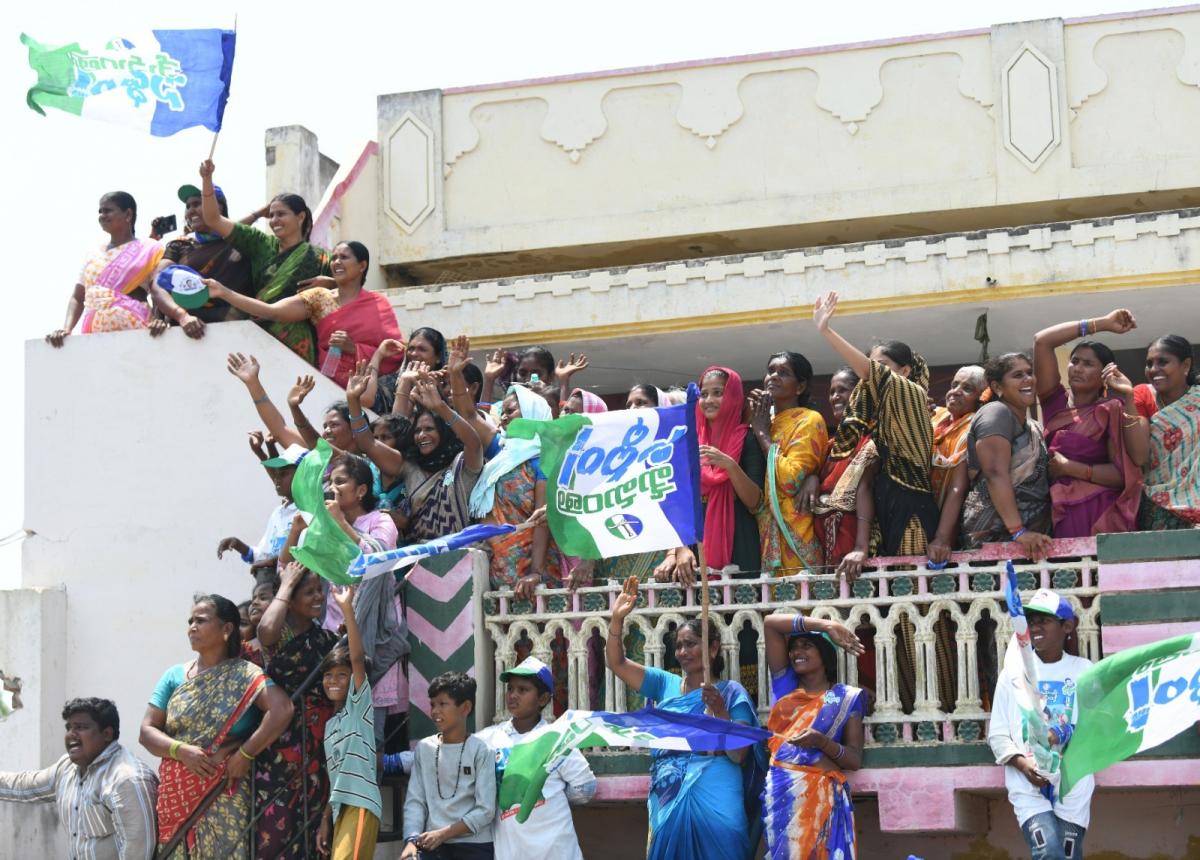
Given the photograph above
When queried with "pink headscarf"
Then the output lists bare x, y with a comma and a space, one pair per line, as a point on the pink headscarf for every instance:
591, 402
728, 434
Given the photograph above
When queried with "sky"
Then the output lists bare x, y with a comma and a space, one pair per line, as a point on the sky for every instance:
322, 65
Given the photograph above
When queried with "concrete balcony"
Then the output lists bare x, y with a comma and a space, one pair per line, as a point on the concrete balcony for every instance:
927, 767
1021, 123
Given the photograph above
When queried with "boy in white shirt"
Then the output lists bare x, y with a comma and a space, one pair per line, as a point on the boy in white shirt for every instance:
1053, 831
550, 830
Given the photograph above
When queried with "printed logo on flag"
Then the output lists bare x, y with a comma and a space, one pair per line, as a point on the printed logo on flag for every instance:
118, 67
623, 526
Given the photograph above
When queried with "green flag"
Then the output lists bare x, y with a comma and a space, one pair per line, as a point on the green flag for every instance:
1133, 701
324, 548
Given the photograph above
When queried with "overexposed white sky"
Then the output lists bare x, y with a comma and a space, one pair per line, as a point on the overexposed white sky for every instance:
322, 65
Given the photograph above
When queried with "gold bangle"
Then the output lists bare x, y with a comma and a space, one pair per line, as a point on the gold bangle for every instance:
242, 752
173, 750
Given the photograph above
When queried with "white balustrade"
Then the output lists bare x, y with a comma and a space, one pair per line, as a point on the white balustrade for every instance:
904, 604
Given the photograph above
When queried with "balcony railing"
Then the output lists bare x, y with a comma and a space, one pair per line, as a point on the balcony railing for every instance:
916, 619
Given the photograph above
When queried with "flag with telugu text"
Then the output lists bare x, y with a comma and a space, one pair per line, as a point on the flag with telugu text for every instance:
531, 761
1133, 701
161, 81
620, 483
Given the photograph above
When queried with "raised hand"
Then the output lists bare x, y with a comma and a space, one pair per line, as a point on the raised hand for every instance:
356, 385
626, 600
459, 355
844, 637
495, 365
760, 414
823, 310
412, 371
243, 367
303, 387
570, 366
291, 574
207, 169
425, 392
1119, 321
257, 440
343, 596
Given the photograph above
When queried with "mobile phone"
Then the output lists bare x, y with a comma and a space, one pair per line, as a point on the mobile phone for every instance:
166, 224
329, 495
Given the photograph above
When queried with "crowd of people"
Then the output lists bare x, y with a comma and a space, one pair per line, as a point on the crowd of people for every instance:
785, 491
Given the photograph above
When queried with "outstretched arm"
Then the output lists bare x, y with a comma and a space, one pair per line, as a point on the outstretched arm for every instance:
1045, 365
246, 369
631, 674
852, 355
208, 202
291, 309
458, 358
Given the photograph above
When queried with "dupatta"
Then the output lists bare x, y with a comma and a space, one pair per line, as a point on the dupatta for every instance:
1173, 471
106, 298
726, 432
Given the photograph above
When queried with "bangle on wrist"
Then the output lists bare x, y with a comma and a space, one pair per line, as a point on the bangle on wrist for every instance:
798, 623
281, 599
1089, 474
242, 752
173, 750
1019, 532
265, 398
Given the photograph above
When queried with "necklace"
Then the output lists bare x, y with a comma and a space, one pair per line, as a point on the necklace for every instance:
437, 757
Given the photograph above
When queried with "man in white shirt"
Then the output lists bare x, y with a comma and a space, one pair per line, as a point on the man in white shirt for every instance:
550, 830
1053, 831
105, 794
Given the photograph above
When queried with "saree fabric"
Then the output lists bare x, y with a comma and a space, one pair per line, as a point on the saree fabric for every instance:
276, 274
439, 502
788, 536
203, 712
837, 500
697, 802
1172, 473
727, 433
289, 776
808, 811
108, 278
949, 449
368, 319
1028, 471
1090, 434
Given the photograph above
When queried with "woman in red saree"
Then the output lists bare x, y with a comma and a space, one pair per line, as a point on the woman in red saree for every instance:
1097, 444
203, 722
354, 320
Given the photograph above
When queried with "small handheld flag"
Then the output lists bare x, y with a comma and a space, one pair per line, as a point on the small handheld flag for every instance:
162, 81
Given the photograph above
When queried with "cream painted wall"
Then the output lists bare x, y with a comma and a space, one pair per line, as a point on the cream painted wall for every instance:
1038, 116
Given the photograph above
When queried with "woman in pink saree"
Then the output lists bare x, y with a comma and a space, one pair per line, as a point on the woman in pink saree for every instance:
1096, 448
109, 294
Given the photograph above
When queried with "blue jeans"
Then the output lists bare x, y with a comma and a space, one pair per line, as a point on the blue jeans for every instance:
1051, 838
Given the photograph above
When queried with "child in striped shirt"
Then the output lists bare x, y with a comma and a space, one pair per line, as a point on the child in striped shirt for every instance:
350, 824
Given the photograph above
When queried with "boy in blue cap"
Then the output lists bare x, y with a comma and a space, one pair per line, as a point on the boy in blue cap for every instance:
550, 830
1053, 831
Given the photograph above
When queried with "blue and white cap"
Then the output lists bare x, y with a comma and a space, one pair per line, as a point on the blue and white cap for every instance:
185, 285
531, 667
1049, 603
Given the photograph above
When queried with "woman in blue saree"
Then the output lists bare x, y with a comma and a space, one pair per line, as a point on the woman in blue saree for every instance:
697, 801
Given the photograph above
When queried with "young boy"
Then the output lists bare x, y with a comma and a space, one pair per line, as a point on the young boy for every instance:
281, 470
451, 797
1053, 831
550, 831
355, 807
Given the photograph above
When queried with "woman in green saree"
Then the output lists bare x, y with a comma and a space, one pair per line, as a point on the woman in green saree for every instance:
203, 723
281, 262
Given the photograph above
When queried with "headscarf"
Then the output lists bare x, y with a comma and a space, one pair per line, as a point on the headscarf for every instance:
726, 432
591, 402
440, 457
513, 452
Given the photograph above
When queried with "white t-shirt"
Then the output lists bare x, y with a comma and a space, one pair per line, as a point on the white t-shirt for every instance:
273, 539
550, 831
1056, 683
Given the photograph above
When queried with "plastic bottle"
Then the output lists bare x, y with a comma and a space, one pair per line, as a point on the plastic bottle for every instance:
332, 359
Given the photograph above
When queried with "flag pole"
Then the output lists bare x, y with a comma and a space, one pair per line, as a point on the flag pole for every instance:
704, 603
213, 148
